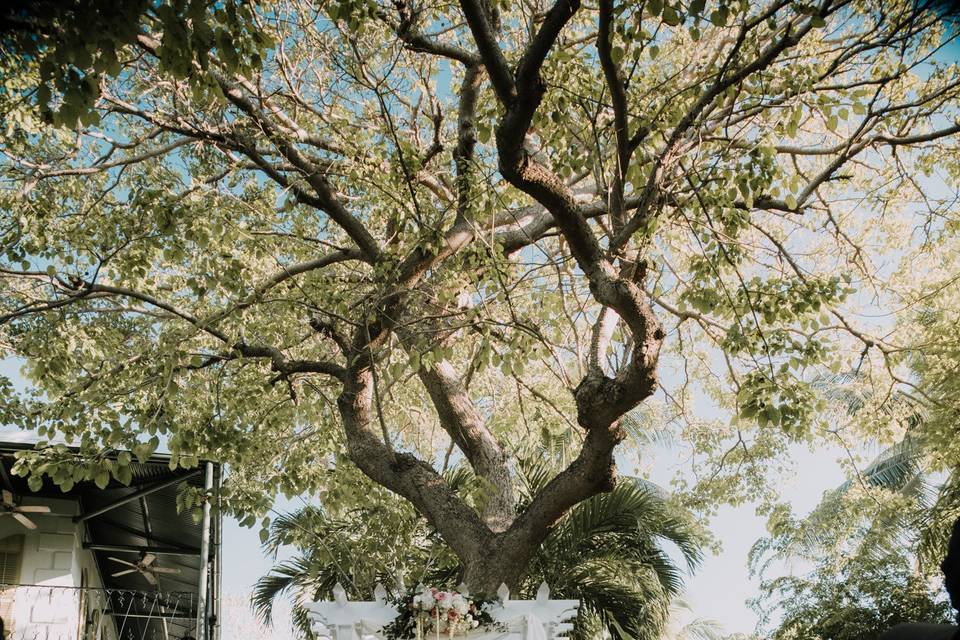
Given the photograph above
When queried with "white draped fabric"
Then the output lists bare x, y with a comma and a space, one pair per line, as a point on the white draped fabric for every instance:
540, 619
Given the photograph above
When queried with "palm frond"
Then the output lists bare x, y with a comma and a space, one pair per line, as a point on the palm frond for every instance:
589, 625
629, 596
645, 432
935, 524
696, 629
609, 552
895, 469
533, 475
701, 629
460, 477
295, 526
636, 512
292, 575
300, 620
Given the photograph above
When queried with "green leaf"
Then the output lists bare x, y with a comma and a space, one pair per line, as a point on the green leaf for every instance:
670, 16
719, 17
483, 132
102, 479
124, 475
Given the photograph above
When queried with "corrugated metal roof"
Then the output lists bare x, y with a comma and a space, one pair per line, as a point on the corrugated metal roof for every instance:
150, 521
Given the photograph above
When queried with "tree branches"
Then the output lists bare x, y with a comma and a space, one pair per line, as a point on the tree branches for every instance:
338, 218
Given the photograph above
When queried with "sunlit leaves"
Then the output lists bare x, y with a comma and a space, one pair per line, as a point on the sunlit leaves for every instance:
777, 403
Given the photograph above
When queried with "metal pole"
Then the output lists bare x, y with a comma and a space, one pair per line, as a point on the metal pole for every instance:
202, 593
218, 557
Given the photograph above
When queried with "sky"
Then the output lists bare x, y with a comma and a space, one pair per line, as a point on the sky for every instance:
720, 588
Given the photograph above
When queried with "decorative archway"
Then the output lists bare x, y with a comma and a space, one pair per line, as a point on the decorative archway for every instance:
539, 619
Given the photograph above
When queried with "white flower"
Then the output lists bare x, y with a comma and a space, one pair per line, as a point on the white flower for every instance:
426, 600
416, 601
475, 624
460, 604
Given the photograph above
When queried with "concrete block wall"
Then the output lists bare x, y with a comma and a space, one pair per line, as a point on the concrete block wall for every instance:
55, 561
48, 560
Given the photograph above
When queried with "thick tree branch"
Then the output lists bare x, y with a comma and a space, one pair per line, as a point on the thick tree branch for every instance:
404, 474
618, 97
601, 400
493, 59
466, 137
78, 290
326, 199
459, 417
406, 30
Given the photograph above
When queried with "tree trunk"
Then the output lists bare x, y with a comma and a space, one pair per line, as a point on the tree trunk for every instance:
498, 562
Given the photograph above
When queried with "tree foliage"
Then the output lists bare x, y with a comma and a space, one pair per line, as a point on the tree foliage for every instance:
856, 605
409, 235
875, 543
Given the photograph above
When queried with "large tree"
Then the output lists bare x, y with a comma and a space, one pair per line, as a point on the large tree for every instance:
411, 233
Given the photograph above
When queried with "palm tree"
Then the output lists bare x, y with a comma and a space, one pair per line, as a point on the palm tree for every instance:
928, 501
348, 550
691, 629
896, 514
611, 552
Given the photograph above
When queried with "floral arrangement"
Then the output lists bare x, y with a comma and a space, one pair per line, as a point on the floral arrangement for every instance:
434, 612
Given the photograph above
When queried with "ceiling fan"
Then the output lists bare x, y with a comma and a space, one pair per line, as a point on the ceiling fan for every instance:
11, 507
144, 566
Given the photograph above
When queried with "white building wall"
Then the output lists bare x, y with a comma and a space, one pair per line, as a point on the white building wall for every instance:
48, 560
53, 556
85, 572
